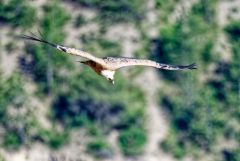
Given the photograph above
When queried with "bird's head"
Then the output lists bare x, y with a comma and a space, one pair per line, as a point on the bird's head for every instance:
109, 75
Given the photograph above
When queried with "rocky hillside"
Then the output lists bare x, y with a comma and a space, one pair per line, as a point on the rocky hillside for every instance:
54, 109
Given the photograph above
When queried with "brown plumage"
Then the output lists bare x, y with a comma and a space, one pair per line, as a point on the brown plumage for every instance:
106, 67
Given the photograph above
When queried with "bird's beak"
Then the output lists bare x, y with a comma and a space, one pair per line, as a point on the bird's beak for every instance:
111, 81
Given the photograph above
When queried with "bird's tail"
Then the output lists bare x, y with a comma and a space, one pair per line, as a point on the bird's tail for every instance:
35, 38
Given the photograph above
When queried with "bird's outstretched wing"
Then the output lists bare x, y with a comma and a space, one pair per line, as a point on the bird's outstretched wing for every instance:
67, 50
117, 63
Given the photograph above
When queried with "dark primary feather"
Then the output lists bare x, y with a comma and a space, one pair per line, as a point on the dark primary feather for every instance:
191, 66
176, 67
71, 51
35, 38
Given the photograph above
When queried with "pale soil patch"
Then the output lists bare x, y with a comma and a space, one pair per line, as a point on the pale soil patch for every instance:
157, 124
37, 3
152, 20
225, 14
74, 151
223, 48
225, 11
181, 9
113, 140
40, 110
72, 33
127, 35
8, 60
38, 152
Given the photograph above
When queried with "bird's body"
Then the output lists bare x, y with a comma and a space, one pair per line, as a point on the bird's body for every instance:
107, 66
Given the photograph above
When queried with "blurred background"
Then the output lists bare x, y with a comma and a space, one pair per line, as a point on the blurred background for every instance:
54, 109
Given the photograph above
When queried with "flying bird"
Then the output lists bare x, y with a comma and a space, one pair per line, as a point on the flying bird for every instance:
107, 66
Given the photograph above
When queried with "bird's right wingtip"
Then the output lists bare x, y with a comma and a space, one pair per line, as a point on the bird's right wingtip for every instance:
192, 66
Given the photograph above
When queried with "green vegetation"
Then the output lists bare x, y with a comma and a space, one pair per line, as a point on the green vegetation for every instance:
12, 141
230, 77
200, 112
233, 29
165, 7
102, 47
232, 155
54, 138
176, 40
1, 158
193, 122
99, 148
80, 21
82, 99
47, 63
132, 141
12, 95
203, 106
17, 13
112, 11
